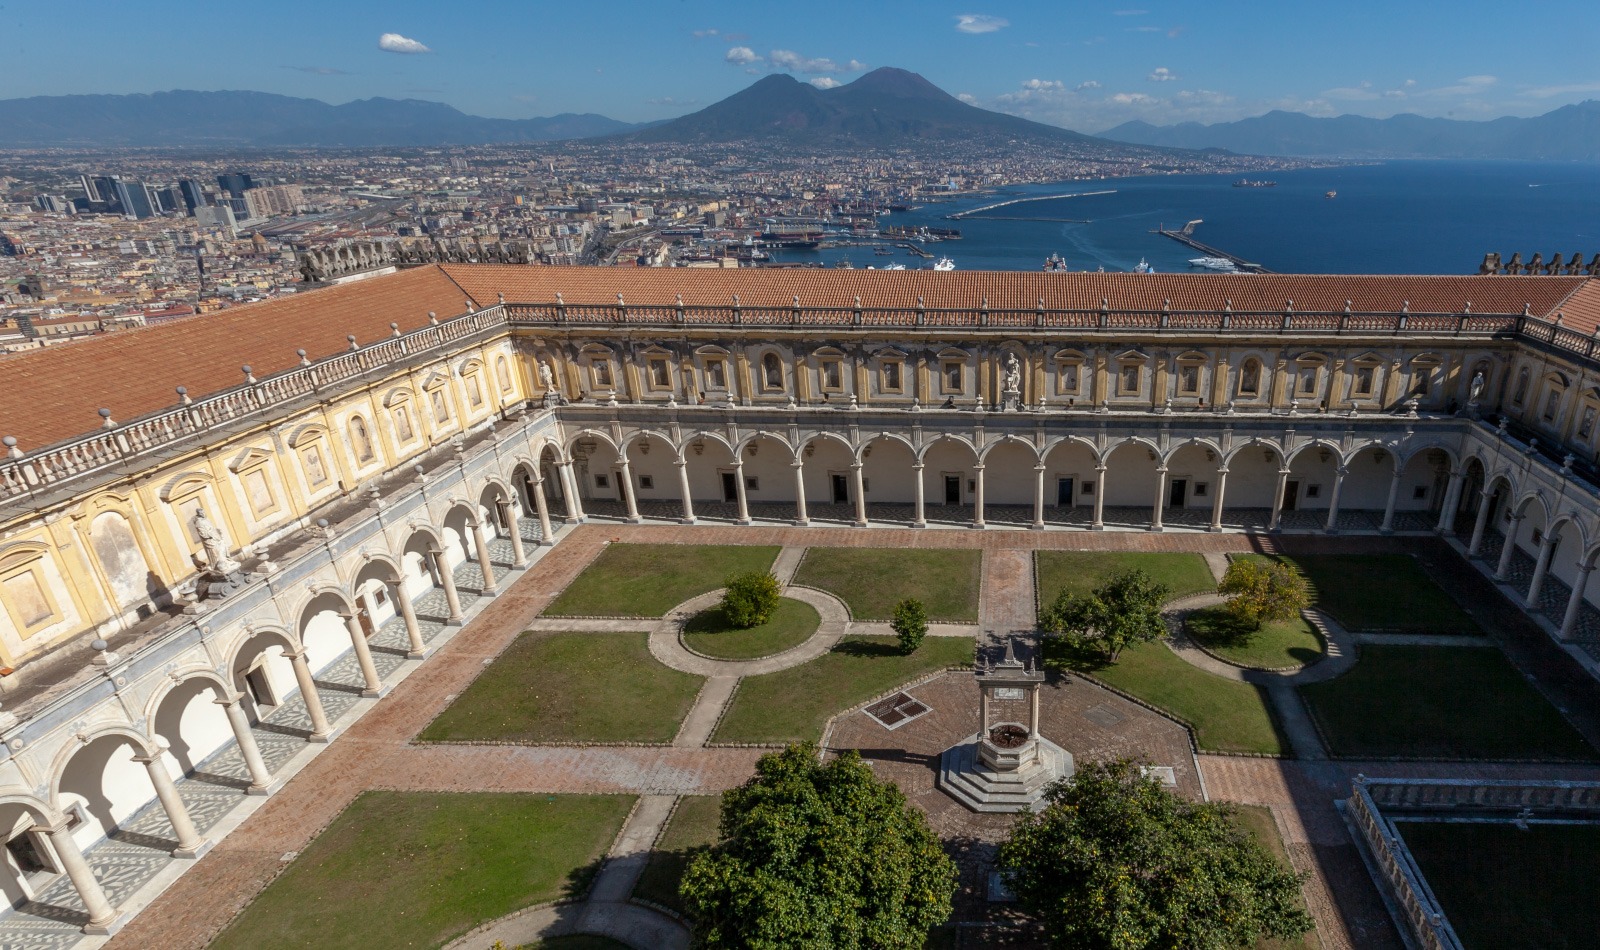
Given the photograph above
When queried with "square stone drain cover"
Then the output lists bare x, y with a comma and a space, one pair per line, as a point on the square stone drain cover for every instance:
896, 710
1103, 716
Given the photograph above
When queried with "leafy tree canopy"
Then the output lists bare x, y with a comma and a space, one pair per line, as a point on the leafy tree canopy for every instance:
910, 623
751, 598
1116, 862
1123, 611
818, 855
1261, 592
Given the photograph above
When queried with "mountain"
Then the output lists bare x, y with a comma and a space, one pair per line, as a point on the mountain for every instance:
884, 107
187, 118
1570, 133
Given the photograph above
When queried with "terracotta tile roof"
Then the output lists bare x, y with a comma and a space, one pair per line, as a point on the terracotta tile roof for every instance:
1581, 311
818, 287
51, 394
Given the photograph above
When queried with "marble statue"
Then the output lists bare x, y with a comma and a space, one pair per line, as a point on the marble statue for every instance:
213, 544
546, 379
1013, 378
1477, 389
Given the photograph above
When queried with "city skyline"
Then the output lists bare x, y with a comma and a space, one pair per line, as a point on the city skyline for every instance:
1089, 69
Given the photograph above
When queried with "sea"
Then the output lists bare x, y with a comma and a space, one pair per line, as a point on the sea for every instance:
1396, 217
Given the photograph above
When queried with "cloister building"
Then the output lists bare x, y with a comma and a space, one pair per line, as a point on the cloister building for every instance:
381, 455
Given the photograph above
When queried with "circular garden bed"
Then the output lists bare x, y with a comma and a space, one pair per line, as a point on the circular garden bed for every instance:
1275, 646
710, 634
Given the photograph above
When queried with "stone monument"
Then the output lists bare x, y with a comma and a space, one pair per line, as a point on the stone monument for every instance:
1006, 764
219, 573
1011, 390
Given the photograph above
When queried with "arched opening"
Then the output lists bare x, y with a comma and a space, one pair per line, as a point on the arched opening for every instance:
1131, 480
528, 495
714, 479
889, 477
461, 551
1252, 485
1313, 487
555, 491
101, 789
1460, 518
264, 675
829, 489
326, 636
1424, 483
193, 726
769, 478
1191, 486
950, 482
1010, 483
32, 865
1071, 483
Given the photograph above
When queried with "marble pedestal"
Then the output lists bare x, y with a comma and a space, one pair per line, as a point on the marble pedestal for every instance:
988, 777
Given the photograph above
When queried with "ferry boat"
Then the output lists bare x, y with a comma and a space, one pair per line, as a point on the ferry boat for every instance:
944, 263
1254, 183
1143, 267
1055, 263
1331, 194
1212, 263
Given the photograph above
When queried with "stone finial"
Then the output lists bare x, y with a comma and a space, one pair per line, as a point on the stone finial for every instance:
502, 299
10, 442
304, 359
183, 396
796, 301
103, 657
354, 346
1566, 463
471, 308
620, 301
422, 473
559, 301
433, 318
680, 300
106, 420
394, 329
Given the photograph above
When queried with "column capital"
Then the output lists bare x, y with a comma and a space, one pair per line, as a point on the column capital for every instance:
1101, 467
856, 465
1586, 568
918, 465
1040, 467
1342, 471
229, 698
978, 467
797, 463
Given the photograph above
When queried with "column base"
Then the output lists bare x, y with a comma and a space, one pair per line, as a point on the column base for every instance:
1330, 530
327, 737
109, 927
196, 852
919, 524
859, 524
802, 522
1097, 527
416, 654
745, 522
979, 525
265, 790
571, 520
489, 591
521, 565
687, 520
454, 621
1156, 528
1386, 531
634, 520
1214, 529
371, 693
1036, 526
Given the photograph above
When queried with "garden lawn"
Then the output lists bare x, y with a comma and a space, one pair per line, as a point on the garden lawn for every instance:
1440, 702
1380, 592
1257, 820
1508, 888
570, 687
872, 580
1082, 571
693, 828
407, 869
1227, 716
710, 633
647, 580
794, 704
1287, 643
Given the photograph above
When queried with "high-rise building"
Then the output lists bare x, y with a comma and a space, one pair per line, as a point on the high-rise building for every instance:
235, 183
193, 196
101, 192
135, 198
220, 217
170, 199
274, 200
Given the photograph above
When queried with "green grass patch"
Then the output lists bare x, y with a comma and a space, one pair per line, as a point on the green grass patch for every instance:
1510, 889
570, 687
1440, 702
693, 828
647, 580
428, 867
710, 633
794, 704
1257, 820
1227, 716
872, 580
1286, 643
1080, 572
1380, 592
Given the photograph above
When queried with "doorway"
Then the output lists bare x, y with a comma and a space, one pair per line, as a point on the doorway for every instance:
260, 687
1177, 492
841, 488
1064, 496
730, 487
952, 489
1291, 494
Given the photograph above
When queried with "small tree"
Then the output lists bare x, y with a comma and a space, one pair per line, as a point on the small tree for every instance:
751, 598
1261, 592
1123, 611
1115, 861
818, 855
910, 622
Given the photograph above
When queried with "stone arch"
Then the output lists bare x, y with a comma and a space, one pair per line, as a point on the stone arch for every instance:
888, 470
321, 628
777, 437
259, 669
826, 459
1072, 476
90, 777
188, 722
574, 438
992, 444
948, 437
1010, 479
1131, 476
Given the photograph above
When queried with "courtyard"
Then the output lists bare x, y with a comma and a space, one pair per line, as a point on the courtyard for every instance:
600, 702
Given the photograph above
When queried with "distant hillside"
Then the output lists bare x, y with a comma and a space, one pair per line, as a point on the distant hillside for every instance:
1570, 133
186, 118
883, 107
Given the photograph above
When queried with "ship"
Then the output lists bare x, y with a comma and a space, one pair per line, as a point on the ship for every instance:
1212, 263
944, 263
1055, 263
1143, 267
1254, 183
1331, 194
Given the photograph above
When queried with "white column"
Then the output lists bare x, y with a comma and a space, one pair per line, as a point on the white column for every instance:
683, 485
1452, 497
625, 474
1394, 495
1510, 545
919, 517
738, 491
190, 843
569, 485
1569, 620
546, 535
1038, 497
800, 517
480, 541
1282, 488
508, 513
858, 487
1216, 500
408, 614
1099, 523
1333, 499
260, 778
1481, 523
1541, 568
320, 730
447, 580
977, 498
358, 641
103, 918
1161, 499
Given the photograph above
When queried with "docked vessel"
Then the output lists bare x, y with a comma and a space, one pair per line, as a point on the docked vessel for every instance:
1055, 263
1331, 194
1143, 267
1212, 263
944, 263
1254, 183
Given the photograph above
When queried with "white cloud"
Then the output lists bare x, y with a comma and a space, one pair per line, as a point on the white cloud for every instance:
1132, 99
825, 82
1043, 85
819, 66
967, 97
1086, 85
1162, 74
980, 23
702, 34
395, 43
741, 56
1570, 89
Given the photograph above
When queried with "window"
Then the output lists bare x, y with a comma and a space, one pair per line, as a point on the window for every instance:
1422, 381
1200, 489
1313, 491
316, 474
441, 412
474, 390
771, 371
716, 375
25, 594
891, 376
1250, 378
602, 481
950, 376
1521, 394
402, 424
752, 483
1307, 382
360, 440
1067, 379
502, 372
647, 482
1128, 380
30, 859
1586, 422
1086, 488
1365, 377
600, 372
660, 373
1189, 379
1552, 402
1419, 493
831, 376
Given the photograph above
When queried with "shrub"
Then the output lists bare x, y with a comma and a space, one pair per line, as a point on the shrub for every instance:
751, 599
1261, 592
910, 623
1119, 613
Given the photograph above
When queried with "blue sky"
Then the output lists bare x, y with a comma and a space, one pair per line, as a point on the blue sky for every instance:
1078, 65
